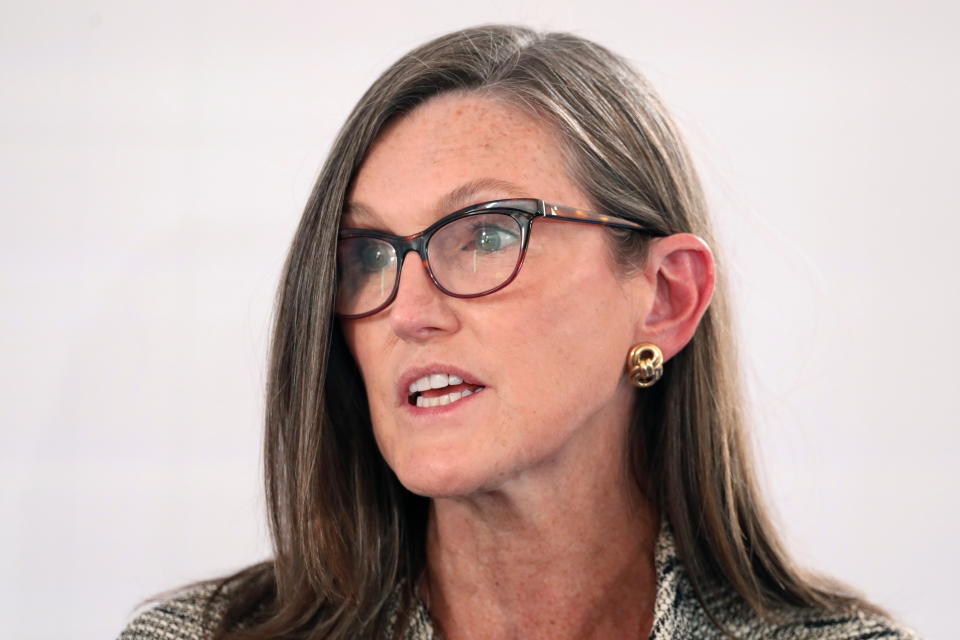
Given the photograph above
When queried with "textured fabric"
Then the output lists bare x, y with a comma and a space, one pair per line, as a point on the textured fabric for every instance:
677, 615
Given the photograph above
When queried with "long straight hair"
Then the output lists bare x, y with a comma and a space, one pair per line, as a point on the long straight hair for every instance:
347, 537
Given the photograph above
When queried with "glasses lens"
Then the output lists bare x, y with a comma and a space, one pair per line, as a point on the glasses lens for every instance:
366, 271
476, 253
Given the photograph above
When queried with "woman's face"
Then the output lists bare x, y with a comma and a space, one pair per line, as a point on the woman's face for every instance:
548, 350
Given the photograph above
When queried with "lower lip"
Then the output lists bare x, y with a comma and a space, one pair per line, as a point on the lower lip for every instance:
442, 409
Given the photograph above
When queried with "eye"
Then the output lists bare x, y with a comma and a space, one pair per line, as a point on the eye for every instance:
374, 256
490, 238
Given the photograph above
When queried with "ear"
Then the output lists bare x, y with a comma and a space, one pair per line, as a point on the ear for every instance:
680, 273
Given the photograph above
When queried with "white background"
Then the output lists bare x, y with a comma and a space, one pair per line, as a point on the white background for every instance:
154, 161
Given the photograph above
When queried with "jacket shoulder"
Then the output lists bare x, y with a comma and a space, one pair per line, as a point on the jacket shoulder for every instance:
188, 615
737, 618
855, 625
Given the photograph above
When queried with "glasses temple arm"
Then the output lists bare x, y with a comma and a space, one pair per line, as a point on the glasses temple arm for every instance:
561, 212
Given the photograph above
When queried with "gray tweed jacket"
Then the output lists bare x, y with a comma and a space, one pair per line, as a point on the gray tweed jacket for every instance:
678, 615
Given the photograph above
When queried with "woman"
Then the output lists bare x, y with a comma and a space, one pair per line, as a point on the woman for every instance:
503, 397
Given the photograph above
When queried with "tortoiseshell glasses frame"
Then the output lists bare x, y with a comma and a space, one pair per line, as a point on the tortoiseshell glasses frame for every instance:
352, 252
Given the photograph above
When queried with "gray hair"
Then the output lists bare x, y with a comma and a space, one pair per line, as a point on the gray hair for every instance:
345, 532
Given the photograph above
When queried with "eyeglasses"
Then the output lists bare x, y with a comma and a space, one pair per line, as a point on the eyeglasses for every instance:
469, 253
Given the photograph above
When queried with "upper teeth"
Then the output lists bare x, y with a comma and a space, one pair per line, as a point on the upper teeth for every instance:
434, 381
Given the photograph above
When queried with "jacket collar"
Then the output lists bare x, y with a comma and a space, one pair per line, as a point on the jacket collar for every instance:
674, 595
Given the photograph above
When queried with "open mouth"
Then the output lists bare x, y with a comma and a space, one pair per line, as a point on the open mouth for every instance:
440, 389
437, 397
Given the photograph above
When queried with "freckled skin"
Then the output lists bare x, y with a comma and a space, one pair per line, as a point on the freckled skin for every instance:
550, 346
536, 529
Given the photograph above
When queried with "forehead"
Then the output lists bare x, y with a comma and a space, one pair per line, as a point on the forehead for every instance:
451, 141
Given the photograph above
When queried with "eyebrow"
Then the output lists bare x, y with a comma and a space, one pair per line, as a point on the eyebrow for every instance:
457, 198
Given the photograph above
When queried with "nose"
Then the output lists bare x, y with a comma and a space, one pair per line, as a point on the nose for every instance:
420, 311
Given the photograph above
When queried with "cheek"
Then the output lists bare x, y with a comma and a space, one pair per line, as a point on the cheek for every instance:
581, 302
572, 341
366, 352
360, 340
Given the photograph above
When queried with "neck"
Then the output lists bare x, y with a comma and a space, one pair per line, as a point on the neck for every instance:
530, 564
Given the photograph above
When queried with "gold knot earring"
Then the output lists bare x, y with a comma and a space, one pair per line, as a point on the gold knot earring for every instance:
644, 364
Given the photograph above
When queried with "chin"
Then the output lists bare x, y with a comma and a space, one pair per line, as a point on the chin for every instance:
440, 475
